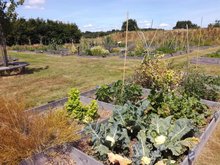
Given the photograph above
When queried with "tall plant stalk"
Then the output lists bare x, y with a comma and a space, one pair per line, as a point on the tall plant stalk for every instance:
125, 56
187, 42
200, 35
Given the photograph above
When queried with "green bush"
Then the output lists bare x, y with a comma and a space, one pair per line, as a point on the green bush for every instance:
79, 111
99, 51
114, 94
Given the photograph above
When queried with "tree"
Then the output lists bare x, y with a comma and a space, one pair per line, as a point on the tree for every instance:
216, 24
132, 25
182, 25
7, 13
35, 31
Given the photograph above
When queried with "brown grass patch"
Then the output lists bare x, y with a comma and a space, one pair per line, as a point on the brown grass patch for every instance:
23, 134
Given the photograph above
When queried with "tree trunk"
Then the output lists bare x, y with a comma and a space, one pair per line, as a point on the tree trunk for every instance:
3, 46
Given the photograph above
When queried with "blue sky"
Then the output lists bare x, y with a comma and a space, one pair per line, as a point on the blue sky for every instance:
97, 15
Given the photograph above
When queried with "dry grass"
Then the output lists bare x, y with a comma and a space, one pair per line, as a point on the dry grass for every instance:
210, 154
23, 134
207, 37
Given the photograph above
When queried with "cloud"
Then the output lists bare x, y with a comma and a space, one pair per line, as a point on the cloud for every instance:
88, 26
164, 25
144, 24
35, 4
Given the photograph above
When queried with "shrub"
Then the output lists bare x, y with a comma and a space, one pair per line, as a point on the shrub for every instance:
114, 94
139, 49
71, 47
79, 111
154, 73
116, 50
23, 134
99, 51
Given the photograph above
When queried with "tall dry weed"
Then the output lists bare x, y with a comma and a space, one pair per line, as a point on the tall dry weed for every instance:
23, 134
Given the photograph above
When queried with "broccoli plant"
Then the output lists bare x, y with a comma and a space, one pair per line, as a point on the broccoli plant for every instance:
131, 136
84, 113
114, 94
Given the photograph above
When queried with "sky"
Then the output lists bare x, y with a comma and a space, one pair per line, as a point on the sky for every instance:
103, 15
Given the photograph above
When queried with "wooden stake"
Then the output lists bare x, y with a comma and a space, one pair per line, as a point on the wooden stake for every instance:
187, 40
200, 35
125, 56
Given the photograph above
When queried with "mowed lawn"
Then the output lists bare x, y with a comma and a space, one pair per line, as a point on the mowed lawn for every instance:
51, 77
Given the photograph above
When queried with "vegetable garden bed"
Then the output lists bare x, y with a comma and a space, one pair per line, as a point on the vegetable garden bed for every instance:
65, 154
191, 156
68, 153
104, 109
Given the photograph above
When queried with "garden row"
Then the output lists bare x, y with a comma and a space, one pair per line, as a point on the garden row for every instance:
109, 47
124, 124
212, 58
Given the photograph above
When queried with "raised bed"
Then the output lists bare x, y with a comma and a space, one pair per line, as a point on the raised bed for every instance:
193, 155
206, 60
67, 151
81, 158
65, 154
91, 93
52, 105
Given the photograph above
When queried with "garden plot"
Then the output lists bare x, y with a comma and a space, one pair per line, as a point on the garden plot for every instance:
65, 154
116, 142
104, 110
206, 60
129, 136
115, 94
212, 59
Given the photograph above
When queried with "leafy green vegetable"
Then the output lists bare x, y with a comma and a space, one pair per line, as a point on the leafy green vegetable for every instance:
144, 139
79, 111
114, 94
202, 86
167, 103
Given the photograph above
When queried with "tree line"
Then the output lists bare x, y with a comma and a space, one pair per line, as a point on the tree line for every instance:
39, 31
